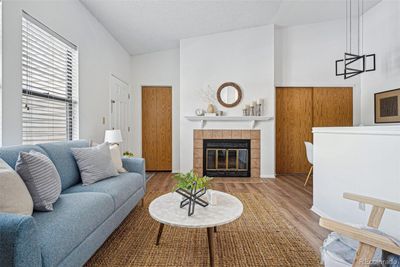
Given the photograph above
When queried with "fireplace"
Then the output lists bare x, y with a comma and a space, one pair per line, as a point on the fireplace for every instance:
226, 157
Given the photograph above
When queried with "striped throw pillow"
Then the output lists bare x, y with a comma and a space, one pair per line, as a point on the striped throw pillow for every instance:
94, 163
41, 178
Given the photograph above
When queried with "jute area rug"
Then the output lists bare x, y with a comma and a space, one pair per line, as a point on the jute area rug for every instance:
260, 237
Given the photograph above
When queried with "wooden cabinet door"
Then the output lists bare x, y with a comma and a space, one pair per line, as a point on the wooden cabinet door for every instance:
293, 127
332, 106
157, 128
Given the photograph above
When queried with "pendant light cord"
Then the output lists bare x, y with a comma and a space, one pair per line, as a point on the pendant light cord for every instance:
350, 27
358, 26
362, 27
347, 27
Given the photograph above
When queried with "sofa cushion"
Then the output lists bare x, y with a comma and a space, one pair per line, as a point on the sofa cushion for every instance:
10, 153
94, 163
41, 178
116, 158
120, 187
14, 196
61, 155
74, 218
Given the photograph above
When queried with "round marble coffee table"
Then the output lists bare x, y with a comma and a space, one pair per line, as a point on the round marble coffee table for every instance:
166, 210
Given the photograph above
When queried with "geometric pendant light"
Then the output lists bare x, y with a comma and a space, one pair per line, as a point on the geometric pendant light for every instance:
354, 63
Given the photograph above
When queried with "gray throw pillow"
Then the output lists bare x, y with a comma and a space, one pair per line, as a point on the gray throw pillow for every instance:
41, 178
94, 163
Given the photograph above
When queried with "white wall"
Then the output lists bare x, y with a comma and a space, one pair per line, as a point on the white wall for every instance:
371, 168
245, 57
306, 55
99, 56
382, 37
162, 69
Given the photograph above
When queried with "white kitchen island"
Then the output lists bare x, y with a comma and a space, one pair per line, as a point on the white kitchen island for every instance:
361, 160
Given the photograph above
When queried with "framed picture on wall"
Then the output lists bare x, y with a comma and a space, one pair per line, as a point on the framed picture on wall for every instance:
387, 106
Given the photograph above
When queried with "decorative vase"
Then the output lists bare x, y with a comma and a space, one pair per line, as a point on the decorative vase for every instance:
210, 108
212, 198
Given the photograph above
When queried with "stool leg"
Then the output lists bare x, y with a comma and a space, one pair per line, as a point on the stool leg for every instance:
308, 176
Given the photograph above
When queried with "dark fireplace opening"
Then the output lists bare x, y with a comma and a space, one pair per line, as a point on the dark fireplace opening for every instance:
226, 157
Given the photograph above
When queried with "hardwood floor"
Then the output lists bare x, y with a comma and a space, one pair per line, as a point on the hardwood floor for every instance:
287, 192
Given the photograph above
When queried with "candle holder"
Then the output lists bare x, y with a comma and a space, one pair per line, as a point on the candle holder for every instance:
259, 110
246, 110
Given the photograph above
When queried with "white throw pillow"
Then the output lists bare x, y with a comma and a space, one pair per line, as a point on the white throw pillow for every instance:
14, 196
116, 158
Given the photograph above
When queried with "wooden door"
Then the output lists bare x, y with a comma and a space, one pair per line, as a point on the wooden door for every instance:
300, 109
164, 129
157, 128
332, 106
293, 127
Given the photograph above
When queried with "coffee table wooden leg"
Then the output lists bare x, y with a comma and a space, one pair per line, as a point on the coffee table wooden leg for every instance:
159, 233
210, 245
215, 229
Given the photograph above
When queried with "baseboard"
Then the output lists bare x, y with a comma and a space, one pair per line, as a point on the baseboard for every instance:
267, 176
318, 212
175, 171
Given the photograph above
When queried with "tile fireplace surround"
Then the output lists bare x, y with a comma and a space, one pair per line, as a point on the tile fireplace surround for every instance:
252, 135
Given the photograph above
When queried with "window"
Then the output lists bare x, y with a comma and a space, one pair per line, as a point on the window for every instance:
49, 85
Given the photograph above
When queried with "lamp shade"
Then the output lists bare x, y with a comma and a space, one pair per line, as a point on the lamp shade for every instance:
113, 136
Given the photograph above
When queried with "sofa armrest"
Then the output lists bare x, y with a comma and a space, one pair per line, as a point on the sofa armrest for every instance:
135, 165
18, 241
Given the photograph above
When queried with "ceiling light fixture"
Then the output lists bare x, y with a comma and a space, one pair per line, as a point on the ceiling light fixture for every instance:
354, 62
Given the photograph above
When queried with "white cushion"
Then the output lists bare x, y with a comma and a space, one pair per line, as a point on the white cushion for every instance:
116, 158
14, 196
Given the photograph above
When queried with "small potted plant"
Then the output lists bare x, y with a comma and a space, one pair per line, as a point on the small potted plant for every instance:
128, 154
186, 181
191, 187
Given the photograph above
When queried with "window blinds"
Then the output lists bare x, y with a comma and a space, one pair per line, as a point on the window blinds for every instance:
49, 85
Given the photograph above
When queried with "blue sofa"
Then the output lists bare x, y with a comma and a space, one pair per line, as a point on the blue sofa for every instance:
83, 216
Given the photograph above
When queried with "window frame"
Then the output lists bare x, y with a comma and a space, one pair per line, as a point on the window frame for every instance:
44, 92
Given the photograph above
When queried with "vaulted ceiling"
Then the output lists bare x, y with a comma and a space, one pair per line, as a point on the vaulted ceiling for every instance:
147, 26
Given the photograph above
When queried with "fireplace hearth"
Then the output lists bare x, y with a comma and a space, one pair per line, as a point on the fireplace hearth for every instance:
226, 157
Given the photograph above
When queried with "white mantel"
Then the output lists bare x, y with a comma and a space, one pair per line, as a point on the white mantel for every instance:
361, 160
252, 119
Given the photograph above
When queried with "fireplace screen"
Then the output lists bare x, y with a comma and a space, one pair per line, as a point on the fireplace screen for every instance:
226, 157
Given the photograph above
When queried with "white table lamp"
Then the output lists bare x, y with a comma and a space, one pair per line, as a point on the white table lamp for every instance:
113, 136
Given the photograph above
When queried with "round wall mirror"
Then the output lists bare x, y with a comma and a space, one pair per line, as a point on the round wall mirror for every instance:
229, 94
